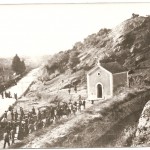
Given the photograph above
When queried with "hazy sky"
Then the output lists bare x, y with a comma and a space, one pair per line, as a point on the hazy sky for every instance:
49, 28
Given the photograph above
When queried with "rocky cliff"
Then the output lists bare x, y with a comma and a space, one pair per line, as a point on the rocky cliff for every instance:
142, 135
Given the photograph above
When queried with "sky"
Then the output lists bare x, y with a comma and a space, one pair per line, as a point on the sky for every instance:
39, 29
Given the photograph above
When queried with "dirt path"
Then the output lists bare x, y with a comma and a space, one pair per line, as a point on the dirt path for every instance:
109, 128
56, 133
59, 131
20, 88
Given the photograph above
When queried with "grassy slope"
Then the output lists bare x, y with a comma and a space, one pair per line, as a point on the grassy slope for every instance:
87, 128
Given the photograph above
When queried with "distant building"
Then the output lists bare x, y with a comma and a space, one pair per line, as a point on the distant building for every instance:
104, 79
135, 15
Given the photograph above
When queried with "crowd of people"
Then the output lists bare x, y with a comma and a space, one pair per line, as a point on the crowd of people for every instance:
21, 123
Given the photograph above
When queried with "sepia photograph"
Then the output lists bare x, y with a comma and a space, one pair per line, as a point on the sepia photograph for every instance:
74, 74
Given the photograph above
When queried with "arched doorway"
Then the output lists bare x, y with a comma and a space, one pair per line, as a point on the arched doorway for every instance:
99, 91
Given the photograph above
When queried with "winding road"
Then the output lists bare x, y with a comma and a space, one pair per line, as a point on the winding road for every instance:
20, 89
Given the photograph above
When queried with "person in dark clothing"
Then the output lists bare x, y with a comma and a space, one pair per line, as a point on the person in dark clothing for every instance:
48, 121
26, 120
75, 88
80, 97
75, 103
20, 108
69, 90
11, 125
9, 95
31, 127
10, 108
131, 81
70, 103
12, 115
5, 114
16, 115
44, 113
84, 103
20, 132
78, 106
12, 134
21, 113
52, 113
6, 95
39, 115
31, 120
6, 139
8, 128
29, 115
33, 110
21, 118
15, 96
15, 126
40, 124
80, 103
65, 106
26, 129
2, 94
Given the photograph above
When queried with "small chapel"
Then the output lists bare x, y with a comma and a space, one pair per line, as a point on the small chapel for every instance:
104, 79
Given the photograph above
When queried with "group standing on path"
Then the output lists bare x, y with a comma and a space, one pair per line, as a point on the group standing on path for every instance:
6, 94
18, 124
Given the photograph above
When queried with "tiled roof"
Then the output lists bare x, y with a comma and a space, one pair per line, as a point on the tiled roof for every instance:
113, 67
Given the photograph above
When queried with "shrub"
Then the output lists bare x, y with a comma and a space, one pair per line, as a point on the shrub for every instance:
73, 60
38, 95
58, 62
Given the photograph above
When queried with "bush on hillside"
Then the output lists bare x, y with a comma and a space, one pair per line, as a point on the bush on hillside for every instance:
38, 95
58, 62
103, 31
128, 40
87, 67
78, 46
73, 60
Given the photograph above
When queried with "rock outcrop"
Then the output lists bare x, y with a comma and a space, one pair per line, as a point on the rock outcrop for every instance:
142, 135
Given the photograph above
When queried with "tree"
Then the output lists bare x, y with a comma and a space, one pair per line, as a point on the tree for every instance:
58, 62
22, 66
73, 60
18, 66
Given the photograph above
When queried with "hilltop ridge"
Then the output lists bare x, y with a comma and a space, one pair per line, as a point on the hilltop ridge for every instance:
128, 43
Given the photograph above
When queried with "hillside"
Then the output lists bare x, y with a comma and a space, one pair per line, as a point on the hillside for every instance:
114, 119
129, 44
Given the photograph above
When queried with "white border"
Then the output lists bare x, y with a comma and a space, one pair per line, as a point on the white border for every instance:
75, 1
69, 1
